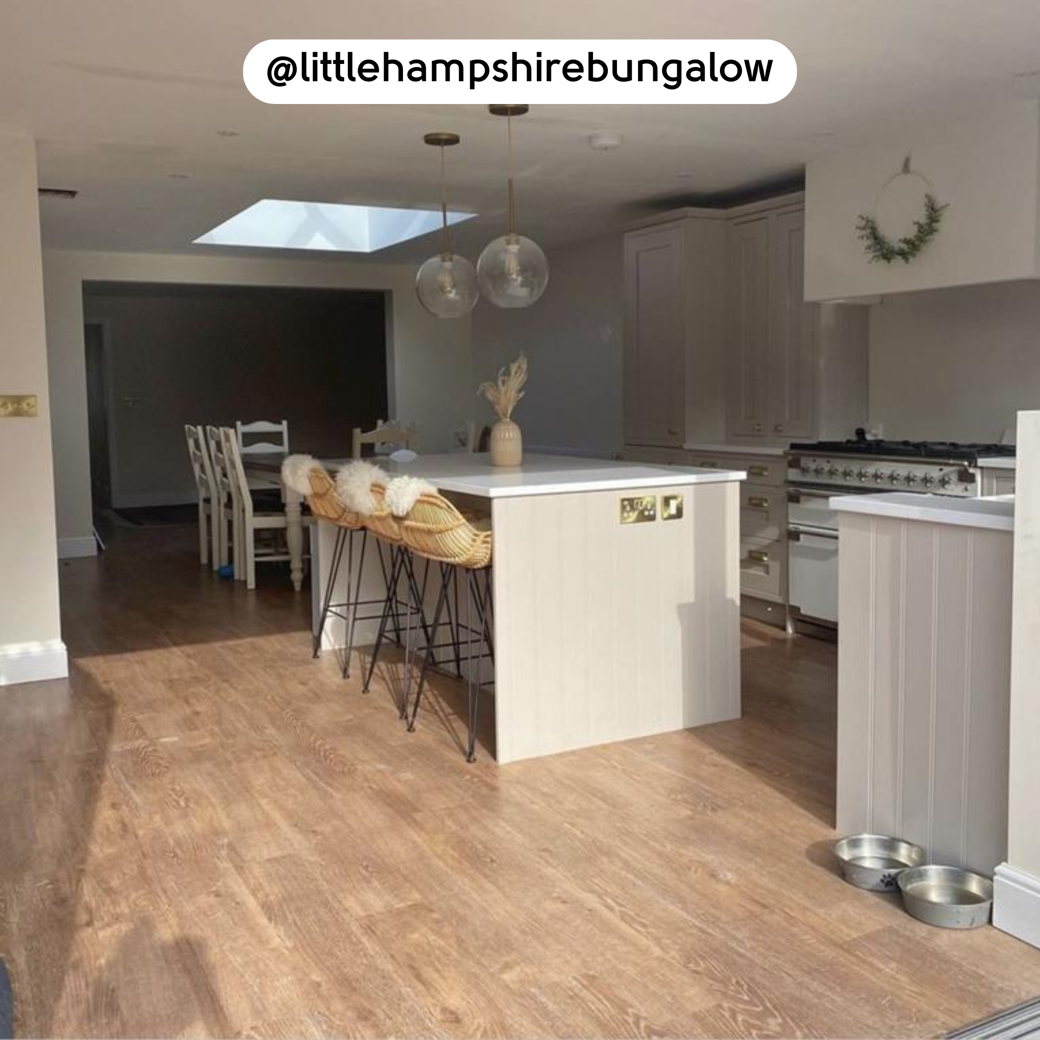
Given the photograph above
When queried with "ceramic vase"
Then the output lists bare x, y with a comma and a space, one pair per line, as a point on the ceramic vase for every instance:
507, 443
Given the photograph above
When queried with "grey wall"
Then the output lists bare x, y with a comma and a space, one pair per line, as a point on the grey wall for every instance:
955, 364
215, 354
572, 338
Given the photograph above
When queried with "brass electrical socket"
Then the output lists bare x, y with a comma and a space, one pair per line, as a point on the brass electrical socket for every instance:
17, 406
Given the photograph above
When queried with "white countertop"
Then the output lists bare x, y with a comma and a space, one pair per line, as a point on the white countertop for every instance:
1000, 462
996, 513
470, 474
737, 449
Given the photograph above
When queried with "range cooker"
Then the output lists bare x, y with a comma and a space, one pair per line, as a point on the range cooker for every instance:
818, 471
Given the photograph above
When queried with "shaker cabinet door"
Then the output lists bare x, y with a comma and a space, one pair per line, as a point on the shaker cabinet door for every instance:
747, 327
655, 337
791, 365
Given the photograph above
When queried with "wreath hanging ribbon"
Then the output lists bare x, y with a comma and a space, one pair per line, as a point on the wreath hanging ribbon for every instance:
881, 248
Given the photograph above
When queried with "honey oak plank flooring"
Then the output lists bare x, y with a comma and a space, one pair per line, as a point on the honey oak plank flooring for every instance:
207, 833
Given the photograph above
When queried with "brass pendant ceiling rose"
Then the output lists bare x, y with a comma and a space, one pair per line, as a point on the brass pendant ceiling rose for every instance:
441, 139
509, 110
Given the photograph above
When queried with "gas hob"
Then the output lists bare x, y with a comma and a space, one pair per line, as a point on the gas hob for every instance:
933, 467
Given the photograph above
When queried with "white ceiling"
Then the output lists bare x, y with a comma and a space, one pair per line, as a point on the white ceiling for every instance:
132, 102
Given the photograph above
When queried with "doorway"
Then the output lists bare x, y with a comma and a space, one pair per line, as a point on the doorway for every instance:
97, 418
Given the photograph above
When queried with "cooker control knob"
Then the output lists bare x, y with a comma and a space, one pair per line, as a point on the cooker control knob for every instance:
928, 480
832, 471
945, 481
878, 476
848, 473
895, 476
911, 478
818, 469
863, 474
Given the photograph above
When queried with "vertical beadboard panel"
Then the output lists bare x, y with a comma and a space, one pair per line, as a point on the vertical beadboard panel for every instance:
919, 611
606, 632
886, 671
855, 593
986, 830
923, 686
953, 563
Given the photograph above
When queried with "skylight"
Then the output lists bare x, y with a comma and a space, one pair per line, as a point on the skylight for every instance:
281, 224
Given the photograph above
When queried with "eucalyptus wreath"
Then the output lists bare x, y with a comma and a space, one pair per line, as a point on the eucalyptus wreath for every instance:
879, 247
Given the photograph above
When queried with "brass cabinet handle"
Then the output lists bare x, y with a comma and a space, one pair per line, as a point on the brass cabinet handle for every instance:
758, 555
756, 427
758, 471
705, 464
778, 428
758, 502
672, 433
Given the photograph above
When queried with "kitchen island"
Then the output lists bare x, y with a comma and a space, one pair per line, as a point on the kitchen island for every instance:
924, 658
616, 595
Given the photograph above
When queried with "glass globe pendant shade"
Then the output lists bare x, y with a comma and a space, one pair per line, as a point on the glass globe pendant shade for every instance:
447, 286
513, 271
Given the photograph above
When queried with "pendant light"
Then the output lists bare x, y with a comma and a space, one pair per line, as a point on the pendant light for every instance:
513, 271
446, 283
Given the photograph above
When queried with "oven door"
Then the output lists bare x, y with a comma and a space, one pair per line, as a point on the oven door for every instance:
812, 575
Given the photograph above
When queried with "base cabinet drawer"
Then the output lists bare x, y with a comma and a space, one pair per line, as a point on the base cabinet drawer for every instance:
762, 568
760, 469
763, 512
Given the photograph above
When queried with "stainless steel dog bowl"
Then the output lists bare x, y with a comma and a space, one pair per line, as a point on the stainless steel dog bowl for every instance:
947, 896
874, 862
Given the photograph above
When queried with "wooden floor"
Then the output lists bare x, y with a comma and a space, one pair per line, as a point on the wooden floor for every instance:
205, 832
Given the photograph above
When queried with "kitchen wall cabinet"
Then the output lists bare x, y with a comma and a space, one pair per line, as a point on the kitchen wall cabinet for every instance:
776, 355
720, 346
655, 361
673, 367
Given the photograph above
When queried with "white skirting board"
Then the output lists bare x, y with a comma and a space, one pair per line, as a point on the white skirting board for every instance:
33, 662
1016, 903
74, 548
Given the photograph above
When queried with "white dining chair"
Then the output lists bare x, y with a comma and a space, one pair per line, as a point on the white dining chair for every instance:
249, 521
223, 505
382, 437
202, 469
274, 437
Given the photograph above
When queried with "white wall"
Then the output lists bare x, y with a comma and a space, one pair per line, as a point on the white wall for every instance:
985, 169
430, 379
572, 338
1016, 906
955, 364
30, 632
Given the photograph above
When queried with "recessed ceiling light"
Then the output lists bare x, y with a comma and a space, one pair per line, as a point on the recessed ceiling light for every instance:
683, 176
325, 226
57, 193
605, 140
180, 176
1027, 74
227, 133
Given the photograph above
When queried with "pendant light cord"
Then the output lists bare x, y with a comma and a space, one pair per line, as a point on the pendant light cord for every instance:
444, 209
511, 194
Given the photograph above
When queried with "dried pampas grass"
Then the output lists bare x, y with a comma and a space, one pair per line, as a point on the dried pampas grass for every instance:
505, 392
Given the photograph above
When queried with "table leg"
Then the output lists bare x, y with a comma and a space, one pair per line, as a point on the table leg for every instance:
294, 535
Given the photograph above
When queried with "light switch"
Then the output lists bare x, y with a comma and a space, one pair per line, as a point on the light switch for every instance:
17, 406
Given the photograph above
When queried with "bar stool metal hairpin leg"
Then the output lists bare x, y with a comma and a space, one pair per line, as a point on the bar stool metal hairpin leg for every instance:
401, 566
479, 643
437, 531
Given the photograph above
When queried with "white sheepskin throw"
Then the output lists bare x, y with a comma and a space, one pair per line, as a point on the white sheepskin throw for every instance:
354, 486
403, 492
295, 470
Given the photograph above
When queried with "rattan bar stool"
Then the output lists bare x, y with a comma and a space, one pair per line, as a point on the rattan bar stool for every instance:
343, 503
385, 524
436, 531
